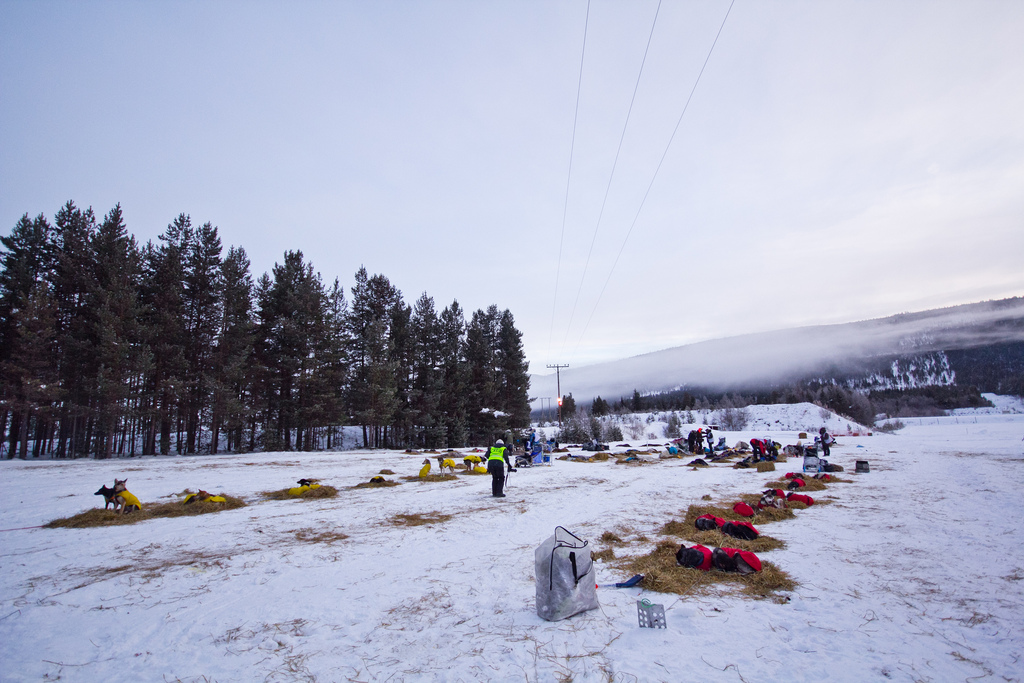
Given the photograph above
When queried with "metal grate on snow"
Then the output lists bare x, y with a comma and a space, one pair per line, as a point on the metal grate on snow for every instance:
650, 615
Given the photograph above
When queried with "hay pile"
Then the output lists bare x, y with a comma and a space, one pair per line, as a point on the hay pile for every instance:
98, 517
596, 457
765, 467
716, 539
764, 516
322, 491
431, 478
810, 484
376, 483
662, 574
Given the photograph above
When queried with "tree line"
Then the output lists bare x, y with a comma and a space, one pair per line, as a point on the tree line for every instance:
111, 348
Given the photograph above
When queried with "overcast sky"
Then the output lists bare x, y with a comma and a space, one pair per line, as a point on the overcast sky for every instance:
838, 161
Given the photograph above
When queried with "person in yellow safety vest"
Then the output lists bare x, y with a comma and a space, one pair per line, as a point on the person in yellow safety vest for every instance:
495, 456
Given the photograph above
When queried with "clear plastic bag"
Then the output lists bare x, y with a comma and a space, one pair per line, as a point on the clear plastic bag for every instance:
565, 576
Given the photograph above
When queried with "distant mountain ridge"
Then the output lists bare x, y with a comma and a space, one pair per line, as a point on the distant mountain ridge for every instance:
980, 343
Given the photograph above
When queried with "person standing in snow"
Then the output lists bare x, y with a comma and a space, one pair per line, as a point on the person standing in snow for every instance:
825, 441
711, 441
497, 458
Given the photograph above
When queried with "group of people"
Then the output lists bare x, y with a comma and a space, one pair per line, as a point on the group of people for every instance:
695, 440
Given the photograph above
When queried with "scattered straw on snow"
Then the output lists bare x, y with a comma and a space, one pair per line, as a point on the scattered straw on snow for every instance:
310, 535
420, 518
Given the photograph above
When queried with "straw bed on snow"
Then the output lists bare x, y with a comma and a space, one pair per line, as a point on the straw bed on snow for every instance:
811, 484
322, 491
716, 538
662, 574
376, 484
761, 517
98, 517
431, 478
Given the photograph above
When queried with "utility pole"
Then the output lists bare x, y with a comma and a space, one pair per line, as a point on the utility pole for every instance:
558, 379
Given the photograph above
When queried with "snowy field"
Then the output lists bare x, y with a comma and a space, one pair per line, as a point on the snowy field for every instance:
914, 573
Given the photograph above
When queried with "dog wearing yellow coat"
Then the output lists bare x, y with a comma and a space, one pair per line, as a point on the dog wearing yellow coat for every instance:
126, 498
444, 463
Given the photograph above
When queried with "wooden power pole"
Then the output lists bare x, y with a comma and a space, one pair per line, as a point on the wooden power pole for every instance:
558, 379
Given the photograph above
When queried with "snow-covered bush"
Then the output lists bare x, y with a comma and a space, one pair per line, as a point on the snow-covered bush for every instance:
634, 426
673, 430
734, 419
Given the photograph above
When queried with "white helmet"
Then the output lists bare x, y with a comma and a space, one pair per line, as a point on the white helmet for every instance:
499, 442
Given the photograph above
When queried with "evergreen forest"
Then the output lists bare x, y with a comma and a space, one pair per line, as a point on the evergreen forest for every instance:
109, 348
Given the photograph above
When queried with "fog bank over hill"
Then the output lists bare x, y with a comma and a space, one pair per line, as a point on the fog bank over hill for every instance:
762, 360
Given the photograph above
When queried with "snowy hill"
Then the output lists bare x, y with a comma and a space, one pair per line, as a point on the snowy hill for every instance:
900, 351
779, 421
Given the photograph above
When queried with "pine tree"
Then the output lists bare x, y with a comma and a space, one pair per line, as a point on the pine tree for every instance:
30, 372
75, 327
233, 352
427, 377
26, 260
482, 394
163, 294
373, 396
333, 366
513, 373
454, 376
201, 301
119, 353
291, 319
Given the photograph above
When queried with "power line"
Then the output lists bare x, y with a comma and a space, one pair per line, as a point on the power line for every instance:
656, 171
615, 163
568, 179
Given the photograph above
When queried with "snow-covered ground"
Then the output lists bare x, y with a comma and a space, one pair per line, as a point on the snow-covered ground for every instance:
914, 573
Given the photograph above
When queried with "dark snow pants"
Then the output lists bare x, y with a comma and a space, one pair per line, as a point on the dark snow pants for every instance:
497, 470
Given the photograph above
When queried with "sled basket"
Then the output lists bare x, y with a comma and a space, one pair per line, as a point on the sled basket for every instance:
564, 574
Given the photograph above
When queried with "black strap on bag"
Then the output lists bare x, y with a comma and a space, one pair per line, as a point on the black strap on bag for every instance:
572, 556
